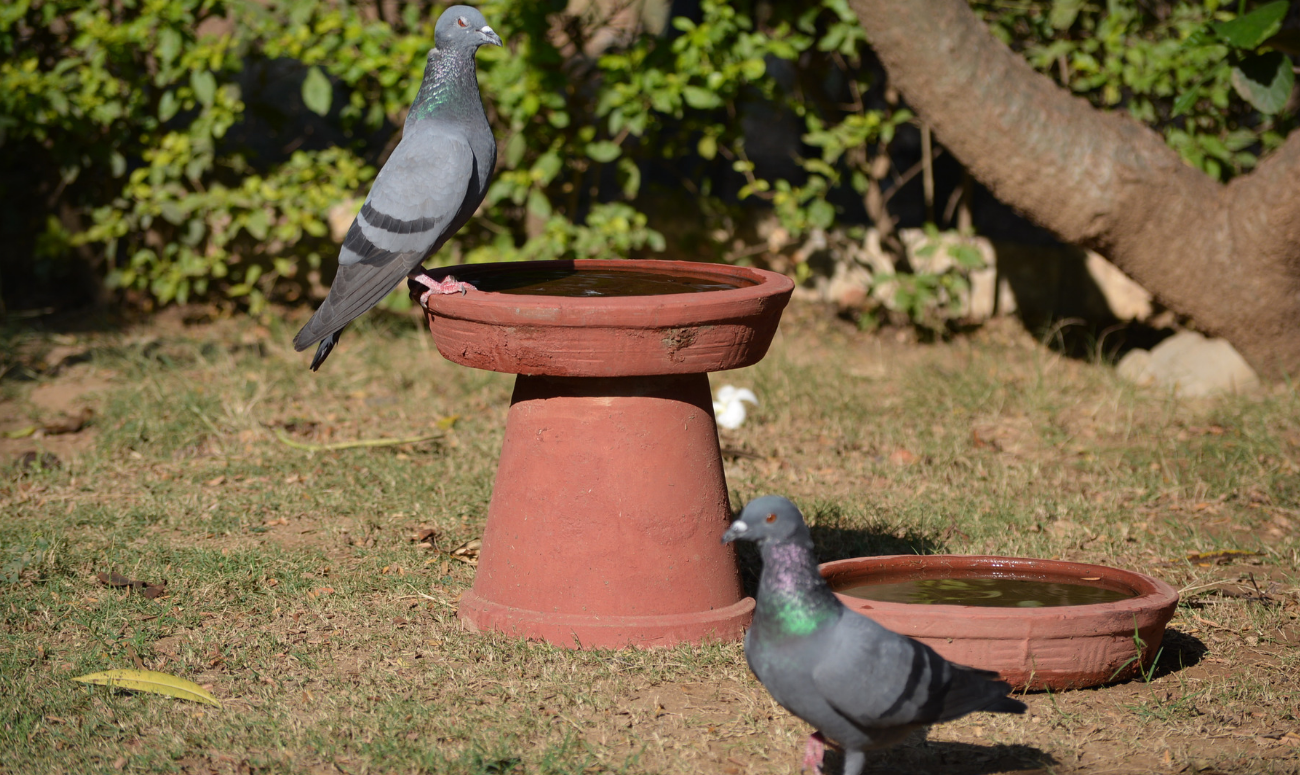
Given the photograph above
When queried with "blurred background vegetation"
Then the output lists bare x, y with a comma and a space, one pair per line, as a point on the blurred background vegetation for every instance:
163, 151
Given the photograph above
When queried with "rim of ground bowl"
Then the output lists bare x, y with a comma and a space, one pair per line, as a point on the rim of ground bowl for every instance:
664, 310
1148, 593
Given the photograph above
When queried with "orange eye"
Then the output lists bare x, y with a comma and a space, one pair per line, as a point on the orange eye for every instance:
771, 518
461, 21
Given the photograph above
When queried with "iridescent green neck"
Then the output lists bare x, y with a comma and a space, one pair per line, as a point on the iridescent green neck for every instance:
792, 596
449, 88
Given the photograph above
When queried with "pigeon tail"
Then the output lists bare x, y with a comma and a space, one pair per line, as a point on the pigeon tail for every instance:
323, 351
973, 690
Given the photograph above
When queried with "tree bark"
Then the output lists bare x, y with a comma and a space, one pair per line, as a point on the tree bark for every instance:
1226, 255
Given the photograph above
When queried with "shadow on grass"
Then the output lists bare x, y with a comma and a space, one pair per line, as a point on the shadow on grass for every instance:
949, 758
1178, 651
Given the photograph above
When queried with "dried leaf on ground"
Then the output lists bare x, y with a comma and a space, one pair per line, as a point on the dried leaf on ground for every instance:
468, 551
425, 538
902, 457
154, 683
150, 590
1226, 557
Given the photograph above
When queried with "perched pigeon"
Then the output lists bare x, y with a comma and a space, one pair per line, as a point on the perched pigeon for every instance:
859, 684
431, 185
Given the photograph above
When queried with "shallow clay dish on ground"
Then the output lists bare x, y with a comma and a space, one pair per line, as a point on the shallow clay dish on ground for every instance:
1058, 647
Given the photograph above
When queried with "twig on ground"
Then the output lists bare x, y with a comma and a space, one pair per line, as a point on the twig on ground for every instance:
284, 439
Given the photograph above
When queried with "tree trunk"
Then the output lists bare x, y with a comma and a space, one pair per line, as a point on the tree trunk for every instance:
1226, 255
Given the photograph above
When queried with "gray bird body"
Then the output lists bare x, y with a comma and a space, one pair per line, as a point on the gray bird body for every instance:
428, 189
859, 684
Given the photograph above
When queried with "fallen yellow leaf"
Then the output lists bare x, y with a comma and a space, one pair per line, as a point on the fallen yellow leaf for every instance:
149, 681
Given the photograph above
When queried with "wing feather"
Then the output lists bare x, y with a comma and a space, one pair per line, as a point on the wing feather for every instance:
405, 217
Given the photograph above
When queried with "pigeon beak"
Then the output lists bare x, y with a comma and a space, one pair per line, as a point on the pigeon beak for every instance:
489, 36
736, 530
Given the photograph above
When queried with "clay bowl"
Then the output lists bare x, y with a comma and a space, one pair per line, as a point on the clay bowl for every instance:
1057, 647
612, 336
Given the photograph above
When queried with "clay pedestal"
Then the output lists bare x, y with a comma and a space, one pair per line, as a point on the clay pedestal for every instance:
609, 503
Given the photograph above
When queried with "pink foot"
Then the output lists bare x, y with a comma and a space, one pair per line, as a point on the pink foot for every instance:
813, 752
446, 285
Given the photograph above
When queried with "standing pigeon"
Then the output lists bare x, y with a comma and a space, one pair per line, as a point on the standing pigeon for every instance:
430, 186
859, 684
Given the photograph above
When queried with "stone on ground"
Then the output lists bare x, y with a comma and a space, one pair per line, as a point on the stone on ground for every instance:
1190, 365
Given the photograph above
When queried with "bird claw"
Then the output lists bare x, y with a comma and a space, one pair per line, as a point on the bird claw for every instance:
446, 286
814, 752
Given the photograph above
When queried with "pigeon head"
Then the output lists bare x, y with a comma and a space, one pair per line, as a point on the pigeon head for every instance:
463, 27
770, 518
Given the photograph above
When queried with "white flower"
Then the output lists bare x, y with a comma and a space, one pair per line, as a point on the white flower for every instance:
729, 406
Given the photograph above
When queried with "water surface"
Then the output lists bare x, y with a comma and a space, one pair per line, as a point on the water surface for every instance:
600, 282
992, 592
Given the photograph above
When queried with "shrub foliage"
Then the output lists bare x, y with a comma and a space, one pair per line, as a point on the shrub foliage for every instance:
196, 148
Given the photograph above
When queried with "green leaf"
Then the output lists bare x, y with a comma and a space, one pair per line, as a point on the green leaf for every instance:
167, 106
821, 213
630, 175
700, 98
1252, 29
1265, 81
1064, 12
169, 44
1185, 101
149, 681
538, 205
708, 147
257, 224
603, 151
515, 148
317, 93
205, 86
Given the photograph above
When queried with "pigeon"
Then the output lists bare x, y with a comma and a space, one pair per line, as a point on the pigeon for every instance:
862, 686
429, 187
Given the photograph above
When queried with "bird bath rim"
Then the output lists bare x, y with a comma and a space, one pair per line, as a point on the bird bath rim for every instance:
656, 310
610, 336
1052, 647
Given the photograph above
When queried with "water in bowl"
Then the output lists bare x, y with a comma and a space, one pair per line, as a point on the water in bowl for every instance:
600, 282
994, 592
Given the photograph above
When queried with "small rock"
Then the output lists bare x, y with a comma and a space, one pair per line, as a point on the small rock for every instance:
1190, 365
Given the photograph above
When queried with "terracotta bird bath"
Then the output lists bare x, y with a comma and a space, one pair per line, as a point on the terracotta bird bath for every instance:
609, 501
1084, 637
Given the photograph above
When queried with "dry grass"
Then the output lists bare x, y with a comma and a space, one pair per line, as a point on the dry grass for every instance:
294, 589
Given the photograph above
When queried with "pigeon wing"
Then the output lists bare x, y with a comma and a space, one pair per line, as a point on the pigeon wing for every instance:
405, 218
878, 678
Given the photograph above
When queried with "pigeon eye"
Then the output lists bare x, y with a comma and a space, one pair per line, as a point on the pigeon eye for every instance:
771, 518
461, 21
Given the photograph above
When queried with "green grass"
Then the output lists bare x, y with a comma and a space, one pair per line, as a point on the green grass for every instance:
293, 587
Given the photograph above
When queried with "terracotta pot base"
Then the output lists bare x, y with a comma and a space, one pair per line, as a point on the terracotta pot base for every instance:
596, 631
